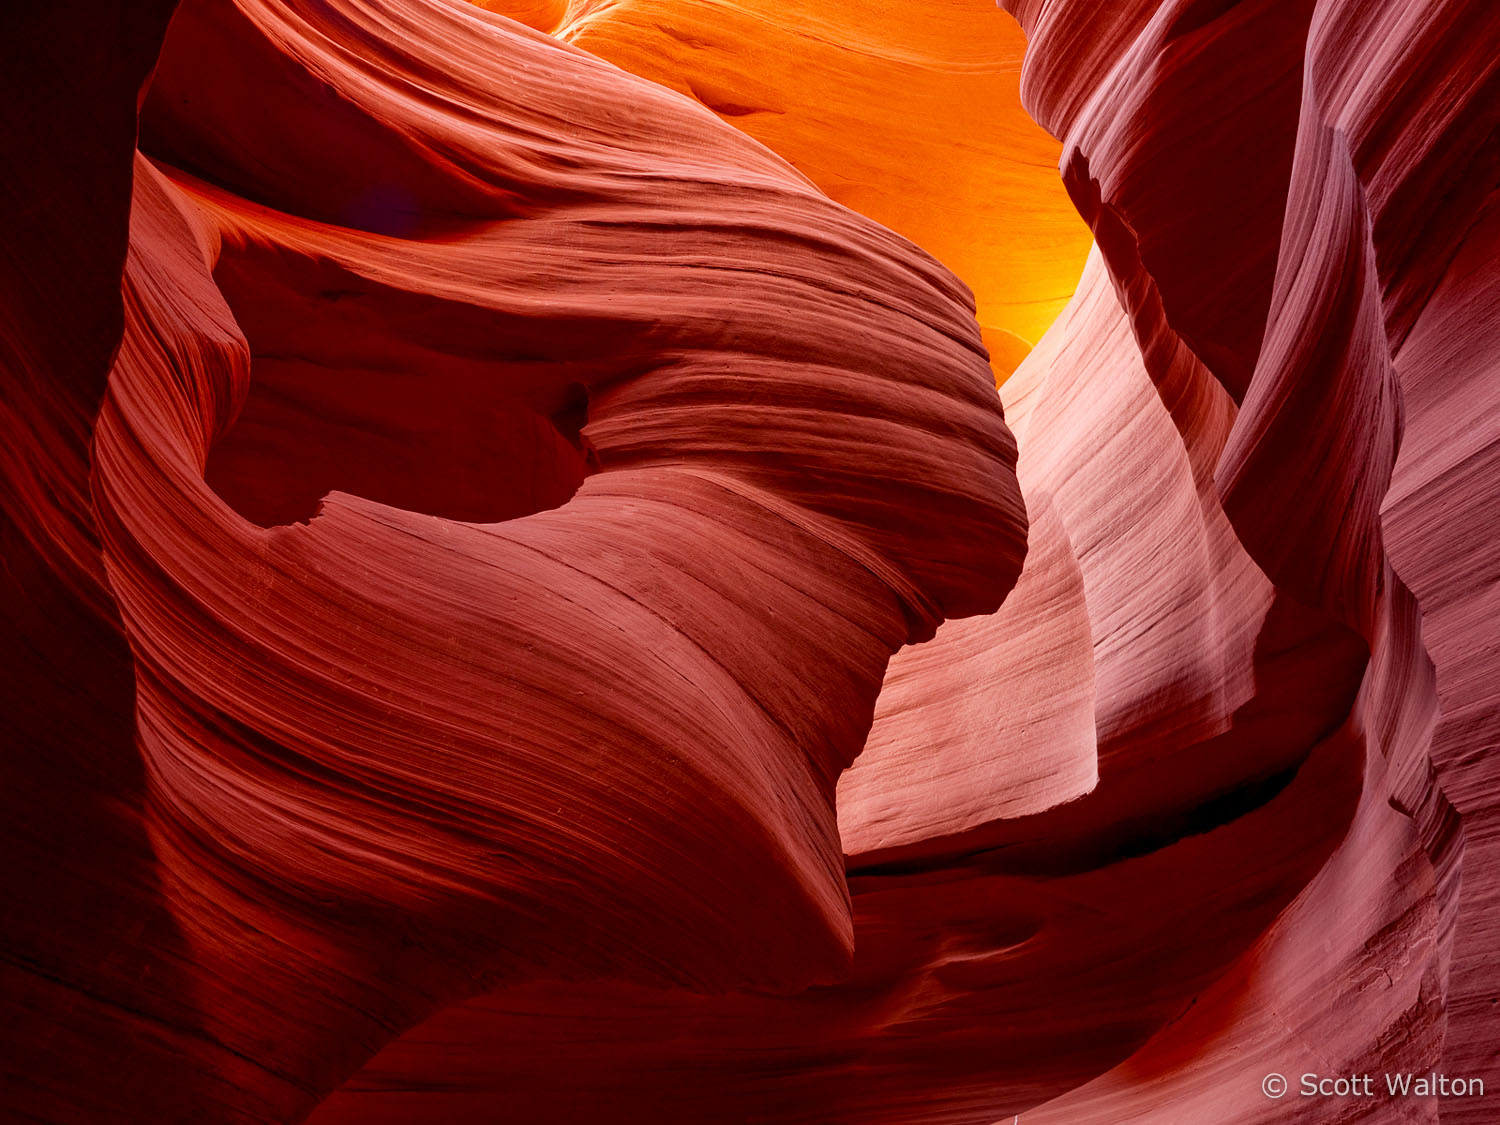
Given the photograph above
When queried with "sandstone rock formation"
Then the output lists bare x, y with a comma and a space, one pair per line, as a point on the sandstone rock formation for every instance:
524, 603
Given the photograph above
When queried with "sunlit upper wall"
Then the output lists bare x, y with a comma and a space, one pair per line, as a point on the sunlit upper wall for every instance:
907, 112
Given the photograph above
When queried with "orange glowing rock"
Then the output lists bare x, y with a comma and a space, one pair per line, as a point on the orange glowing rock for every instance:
914, 122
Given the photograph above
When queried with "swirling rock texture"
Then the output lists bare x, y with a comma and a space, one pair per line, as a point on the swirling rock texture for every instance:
524, 603
910, 114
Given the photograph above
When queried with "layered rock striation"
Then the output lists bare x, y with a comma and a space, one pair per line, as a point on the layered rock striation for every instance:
524, 602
